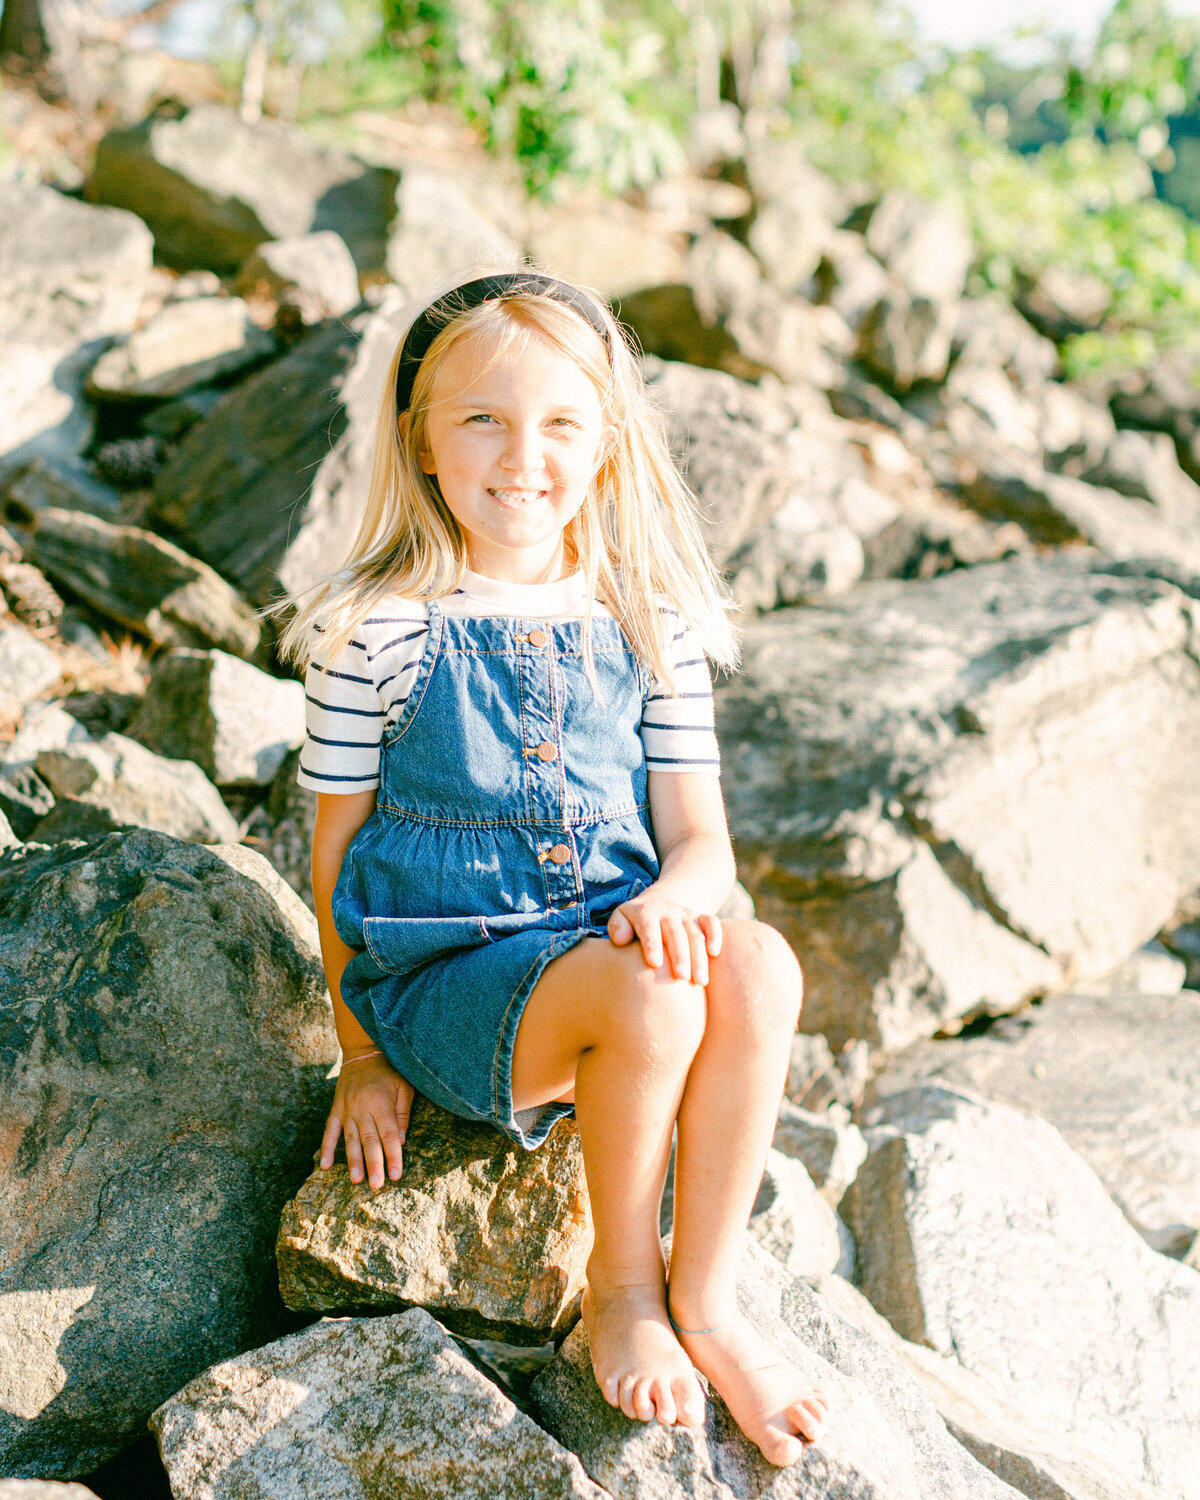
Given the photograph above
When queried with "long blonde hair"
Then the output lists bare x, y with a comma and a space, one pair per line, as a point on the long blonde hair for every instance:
636, 539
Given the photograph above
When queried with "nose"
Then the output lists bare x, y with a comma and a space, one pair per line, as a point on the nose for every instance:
523, 452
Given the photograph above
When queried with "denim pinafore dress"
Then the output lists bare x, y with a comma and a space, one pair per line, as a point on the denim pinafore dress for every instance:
511, 819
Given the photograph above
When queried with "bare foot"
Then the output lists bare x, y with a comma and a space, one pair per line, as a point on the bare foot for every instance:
768, 1398
637, 1360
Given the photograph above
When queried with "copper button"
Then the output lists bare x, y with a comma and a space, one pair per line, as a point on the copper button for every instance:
560, 853
546, 751
537, 637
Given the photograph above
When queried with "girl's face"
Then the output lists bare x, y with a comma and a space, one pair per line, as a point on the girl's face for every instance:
514, 445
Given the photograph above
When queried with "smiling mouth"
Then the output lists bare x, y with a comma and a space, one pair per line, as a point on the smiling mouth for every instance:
517, 497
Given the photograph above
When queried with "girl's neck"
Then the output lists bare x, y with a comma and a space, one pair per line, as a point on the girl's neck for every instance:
517, 571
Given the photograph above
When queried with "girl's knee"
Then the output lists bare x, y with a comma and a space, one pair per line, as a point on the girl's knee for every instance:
661, 1016
757, 980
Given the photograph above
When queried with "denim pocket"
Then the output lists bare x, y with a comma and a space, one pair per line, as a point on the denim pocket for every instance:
398, 944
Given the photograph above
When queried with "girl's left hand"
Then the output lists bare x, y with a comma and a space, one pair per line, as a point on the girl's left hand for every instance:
665, 927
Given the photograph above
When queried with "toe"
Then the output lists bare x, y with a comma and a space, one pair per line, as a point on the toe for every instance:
610, 1389
625, 1389
780, 1448
643, 1406
804, 1420
664, 1403
689, 1401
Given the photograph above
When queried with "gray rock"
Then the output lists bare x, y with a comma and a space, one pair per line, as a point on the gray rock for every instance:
317, 269
212, 187
1014, 1443
266, 487
797, 207
793, 1222
1117, 1075
883, 1439
388, 1406
187, 344
817, 1079
493, 1239
165, 1079
46, 483
983, 1235
70, 275
1152, 970
143, 582
906, 339
616, 248
7, 837
42, 1489
929, 785
27, 665
989, 331
724, 316
1061, 302
45, 726
927, 248
438, 231
25, 799
113, 782
1056, 508
851, 280
234, 720
831, 1148
784, 501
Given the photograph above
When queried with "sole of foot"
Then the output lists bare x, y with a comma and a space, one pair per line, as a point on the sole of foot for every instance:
639, 1364
777, 1408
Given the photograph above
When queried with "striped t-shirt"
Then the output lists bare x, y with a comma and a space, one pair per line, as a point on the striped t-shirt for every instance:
362, 691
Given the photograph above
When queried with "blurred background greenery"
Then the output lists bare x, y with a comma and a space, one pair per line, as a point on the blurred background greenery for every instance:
1083, 155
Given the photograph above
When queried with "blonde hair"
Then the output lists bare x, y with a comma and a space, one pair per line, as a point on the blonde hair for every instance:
636, 539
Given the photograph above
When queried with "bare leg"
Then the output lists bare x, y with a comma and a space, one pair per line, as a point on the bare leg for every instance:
623, 1037
726, 1120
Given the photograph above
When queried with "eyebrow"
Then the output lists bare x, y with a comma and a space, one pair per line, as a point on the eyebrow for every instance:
485, 405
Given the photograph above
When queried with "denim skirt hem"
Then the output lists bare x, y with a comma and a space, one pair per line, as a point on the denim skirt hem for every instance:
450, 1026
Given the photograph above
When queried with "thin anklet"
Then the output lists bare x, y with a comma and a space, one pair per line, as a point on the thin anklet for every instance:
692, 1332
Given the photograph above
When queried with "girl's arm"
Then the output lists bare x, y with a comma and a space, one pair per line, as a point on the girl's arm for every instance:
675, 917
371, 1101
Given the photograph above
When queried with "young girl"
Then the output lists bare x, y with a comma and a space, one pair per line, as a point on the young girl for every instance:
520, 843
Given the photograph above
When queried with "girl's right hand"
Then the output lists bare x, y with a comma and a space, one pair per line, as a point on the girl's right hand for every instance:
371, 1104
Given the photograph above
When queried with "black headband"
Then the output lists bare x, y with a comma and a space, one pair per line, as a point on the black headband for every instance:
430, 323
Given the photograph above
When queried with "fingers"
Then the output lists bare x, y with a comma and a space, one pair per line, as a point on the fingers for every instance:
354, 1156
620, 928
333, 1129
392, 1142
713, 936
372, 1149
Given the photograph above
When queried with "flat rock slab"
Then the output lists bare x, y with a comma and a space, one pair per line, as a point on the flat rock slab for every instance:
165, 1044
187, 344
113, 782
937, 796
143, 581
347, 1409
883, 1439
267, 486
42, 1489
492, 1238
982, 1234
1119, 1076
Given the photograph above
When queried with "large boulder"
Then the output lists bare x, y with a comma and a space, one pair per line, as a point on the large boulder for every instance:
493, 1239
1117, 1074
883, 1440
269, 485
113, 782
376, 1406
143, 581
70, 276
234, 720
212, 187
937, 796
165, 1041
983, 1235
1015, 1443
314, 271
